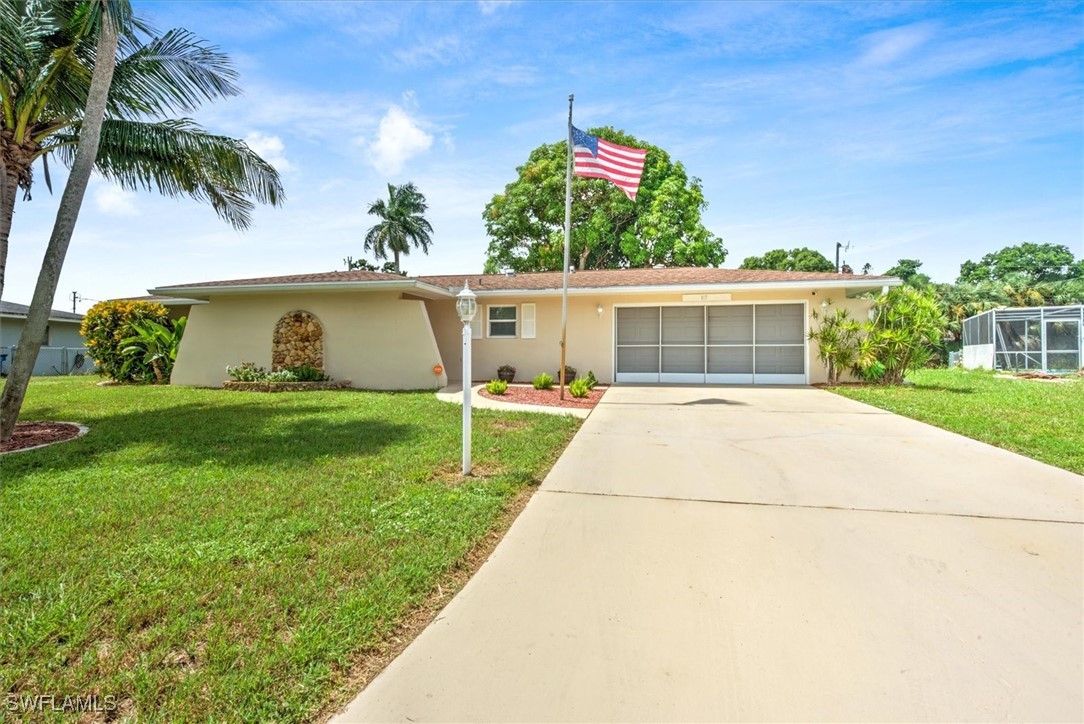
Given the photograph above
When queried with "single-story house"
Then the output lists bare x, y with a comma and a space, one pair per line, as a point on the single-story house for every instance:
382, 331
62, 339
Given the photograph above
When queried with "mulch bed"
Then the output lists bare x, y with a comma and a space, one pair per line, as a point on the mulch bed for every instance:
33, 434
528, 395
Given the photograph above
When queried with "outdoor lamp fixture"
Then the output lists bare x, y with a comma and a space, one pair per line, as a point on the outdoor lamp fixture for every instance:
599, 310
466, 306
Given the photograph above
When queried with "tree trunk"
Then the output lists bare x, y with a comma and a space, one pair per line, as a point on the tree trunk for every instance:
9, 187
396, 252
37, 319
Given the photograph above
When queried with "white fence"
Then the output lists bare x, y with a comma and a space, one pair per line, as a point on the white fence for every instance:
53, 361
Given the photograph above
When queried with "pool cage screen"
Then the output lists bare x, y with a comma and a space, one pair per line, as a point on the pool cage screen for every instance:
1050, 339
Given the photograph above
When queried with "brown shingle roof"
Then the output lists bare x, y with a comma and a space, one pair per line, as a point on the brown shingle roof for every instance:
539, 281
681, 276
320, 277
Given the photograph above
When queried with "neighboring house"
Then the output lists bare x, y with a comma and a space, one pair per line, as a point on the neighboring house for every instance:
688, 325
62, 340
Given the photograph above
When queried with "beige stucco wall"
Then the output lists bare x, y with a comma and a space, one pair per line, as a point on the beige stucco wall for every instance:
375, 339
590, 337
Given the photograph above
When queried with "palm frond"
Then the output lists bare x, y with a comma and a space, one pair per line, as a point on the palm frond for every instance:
178, 158
176, 72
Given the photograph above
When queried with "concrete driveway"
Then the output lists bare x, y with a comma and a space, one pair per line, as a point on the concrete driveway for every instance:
722, 554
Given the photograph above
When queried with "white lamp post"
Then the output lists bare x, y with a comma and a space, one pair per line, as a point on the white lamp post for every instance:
466, 306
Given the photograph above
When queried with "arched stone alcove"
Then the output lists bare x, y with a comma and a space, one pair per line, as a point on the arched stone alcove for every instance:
298, 340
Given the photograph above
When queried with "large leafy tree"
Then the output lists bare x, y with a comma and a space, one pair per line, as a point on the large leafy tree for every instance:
525, 223
89, 84
908, 271
402, 224
804, 259
1036, 262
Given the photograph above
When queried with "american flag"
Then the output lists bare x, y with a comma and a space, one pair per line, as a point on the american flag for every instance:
598, 158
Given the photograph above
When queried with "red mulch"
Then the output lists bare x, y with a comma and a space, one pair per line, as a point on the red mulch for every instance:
32, 434
528, 395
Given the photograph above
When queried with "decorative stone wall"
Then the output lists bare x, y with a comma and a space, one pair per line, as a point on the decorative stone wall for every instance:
298, 340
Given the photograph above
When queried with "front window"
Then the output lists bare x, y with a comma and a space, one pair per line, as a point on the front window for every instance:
502, 321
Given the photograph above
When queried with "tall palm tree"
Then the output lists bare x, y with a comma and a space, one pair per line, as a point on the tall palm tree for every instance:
47, 53
402, 223
76, 80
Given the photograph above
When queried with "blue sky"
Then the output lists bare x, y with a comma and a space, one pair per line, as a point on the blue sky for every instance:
910, 130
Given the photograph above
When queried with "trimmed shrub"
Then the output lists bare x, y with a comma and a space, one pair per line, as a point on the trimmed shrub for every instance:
543, 382
496, 387
579, 388
106, 327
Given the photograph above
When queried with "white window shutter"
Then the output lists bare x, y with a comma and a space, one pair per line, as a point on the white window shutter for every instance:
476, 327
528, 321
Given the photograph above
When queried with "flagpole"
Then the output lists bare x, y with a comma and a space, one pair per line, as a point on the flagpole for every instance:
568, 236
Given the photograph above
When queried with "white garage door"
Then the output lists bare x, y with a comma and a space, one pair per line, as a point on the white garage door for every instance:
734, 343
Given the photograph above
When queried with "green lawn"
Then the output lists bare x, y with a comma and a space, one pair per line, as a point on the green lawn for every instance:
204, 554
1043, 420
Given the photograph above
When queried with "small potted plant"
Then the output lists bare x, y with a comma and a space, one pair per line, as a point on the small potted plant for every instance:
506, 373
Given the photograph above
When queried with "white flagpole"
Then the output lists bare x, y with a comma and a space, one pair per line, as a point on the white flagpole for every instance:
568, 236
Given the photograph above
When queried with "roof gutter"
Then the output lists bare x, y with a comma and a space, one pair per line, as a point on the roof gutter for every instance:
869, 285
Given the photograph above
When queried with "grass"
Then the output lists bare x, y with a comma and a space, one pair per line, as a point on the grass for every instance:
1043, 420
204, 552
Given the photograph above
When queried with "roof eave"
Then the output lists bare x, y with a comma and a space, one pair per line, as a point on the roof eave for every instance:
204, 293
848, 285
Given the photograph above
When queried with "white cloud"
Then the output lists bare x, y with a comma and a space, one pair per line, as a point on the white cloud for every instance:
115, 201
488, 7
887, 46
444, 50
398, 139
271, 149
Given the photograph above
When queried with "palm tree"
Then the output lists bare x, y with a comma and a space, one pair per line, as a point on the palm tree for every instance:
47, 53
76, 80
402, 223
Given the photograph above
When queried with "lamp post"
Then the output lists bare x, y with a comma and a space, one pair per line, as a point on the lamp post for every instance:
466, 306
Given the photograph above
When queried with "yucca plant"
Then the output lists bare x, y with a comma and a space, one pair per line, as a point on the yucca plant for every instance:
901, 336
837, 337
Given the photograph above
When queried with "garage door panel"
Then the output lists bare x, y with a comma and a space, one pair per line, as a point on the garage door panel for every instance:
638, 325
730, 360
780, 360
638, 360
683, 360
780, 323
730, 324
683, 325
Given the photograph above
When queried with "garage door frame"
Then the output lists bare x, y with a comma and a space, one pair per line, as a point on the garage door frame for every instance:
708, 378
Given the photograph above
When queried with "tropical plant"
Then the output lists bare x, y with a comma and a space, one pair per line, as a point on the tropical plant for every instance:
905, 328
402, 224
579, 388
106, 327
387, 267
152, 348
591, 379
283, 375
526, 221
804, 259
837, 337
543, 381
89, 84
908, 271
496, 387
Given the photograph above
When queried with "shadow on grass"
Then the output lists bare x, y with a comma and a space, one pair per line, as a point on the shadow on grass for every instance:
228, 435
